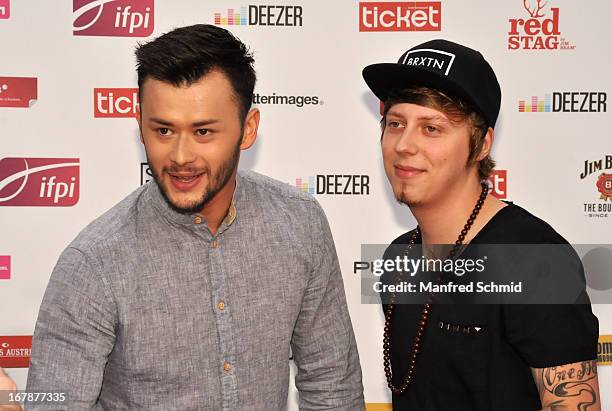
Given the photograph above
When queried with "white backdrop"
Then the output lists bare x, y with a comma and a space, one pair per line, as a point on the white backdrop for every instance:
321, 56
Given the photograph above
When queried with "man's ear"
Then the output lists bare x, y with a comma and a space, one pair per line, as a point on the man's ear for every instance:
487, 144
249, 130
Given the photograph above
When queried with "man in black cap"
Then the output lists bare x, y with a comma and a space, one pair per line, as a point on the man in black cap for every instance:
441, 102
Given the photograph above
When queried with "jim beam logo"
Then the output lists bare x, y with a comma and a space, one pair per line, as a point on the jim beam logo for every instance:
604, 350
600, 172
604, 185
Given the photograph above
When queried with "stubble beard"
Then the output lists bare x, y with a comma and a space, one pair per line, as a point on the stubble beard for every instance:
402, 198
217, 182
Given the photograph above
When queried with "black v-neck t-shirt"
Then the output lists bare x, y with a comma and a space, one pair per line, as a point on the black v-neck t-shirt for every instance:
490, 369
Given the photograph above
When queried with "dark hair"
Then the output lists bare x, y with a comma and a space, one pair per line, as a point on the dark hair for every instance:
183, 55
457, 110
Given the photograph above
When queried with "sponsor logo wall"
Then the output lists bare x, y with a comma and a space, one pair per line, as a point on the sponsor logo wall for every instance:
64, 161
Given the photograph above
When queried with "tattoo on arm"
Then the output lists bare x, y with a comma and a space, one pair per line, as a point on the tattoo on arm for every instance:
568, 387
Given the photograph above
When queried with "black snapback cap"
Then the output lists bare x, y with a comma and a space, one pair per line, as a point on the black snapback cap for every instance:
442, 65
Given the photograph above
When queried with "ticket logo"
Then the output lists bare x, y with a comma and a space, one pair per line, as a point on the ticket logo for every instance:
115, 102
400, 16
498, 183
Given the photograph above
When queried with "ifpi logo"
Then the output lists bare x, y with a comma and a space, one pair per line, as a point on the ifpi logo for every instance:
117, 18
5, 9
498, 184
115, 102
537, 32
5, 267
400, 16
39, 182
15, 351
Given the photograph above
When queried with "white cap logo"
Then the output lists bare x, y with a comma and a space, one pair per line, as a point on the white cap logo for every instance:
438, 60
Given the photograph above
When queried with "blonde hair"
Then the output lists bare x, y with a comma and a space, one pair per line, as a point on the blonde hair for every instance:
457, 110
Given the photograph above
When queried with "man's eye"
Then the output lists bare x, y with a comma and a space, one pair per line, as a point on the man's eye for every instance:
393, 124
202, 132
431, 129
163, 131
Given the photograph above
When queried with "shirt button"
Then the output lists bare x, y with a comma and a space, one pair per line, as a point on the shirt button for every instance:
198, 220
213, 243
227, 366
221, 305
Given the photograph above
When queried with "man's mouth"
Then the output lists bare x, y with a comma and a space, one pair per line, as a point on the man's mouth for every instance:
185, 181
185, 178
407, 171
